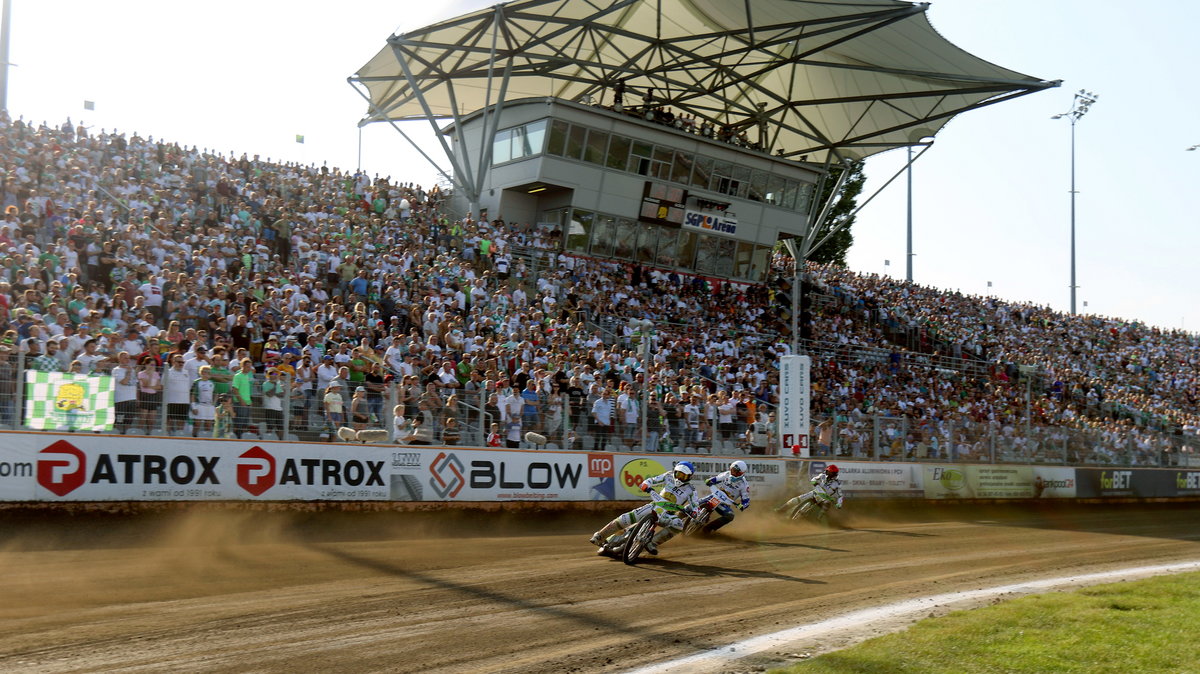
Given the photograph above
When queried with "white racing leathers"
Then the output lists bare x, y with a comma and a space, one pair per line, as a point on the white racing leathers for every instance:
670, 499
825, 492
733, 490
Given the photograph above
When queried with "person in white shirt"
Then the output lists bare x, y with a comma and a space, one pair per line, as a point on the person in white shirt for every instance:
124, 391
91, 357
177, 383
327, 371
152, 291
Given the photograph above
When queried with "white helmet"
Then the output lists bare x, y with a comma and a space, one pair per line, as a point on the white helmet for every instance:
737, 468
684, 470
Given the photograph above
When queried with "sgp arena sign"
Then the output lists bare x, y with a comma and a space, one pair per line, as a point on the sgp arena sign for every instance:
710, 222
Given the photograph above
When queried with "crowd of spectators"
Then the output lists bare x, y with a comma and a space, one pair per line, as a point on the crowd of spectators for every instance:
212, 286
228, 293
1125, 385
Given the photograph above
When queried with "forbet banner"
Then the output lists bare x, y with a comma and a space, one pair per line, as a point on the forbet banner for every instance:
795, 394
64, 401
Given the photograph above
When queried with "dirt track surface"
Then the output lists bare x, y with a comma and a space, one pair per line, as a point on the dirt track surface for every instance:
415, 592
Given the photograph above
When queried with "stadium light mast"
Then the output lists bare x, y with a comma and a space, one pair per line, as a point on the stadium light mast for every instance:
644, 329
908, 257
5, 22
1079, 106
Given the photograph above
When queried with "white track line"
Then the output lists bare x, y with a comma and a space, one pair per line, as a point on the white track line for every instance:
718, 658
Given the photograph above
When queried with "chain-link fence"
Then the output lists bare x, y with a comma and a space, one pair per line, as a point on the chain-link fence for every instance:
883, 438
182, 399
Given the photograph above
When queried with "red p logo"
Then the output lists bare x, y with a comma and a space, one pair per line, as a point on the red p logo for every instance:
62, 469
256, 470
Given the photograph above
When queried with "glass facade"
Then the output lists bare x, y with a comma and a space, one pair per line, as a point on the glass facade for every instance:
611, 236
519, 142
629, 155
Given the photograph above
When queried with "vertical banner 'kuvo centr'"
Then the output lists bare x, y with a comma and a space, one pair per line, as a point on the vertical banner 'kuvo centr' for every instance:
794, 401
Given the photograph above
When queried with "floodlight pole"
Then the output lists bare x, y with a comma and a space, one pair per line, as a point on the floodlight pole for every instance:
5, 22
1079, 106
909, 256
644, 329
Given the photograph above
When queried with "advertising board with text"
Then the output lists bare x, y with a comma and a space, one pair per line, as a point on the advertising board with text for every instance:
884, 480
49, 467
765, 476
975, 481
795, 397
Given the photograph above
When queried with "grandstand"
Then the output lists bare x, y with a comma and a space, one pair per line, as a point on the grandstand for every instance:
315, 282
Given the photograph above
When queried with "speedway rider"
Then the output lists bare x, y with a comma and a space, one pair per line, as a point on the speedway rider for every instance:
735, 489
674, 496
826, 489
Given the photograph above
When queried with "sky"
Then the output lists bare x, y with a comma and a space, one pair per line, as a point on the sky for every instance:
991, 198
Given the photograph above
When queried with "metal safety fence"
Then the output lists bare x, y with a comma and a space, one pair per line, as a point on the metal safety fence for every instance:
183, 399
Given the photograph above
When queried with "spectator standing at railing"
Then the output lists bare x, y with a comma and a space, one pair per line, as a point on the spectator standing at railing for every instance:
42, 362
359, 415
176, 385
203, 399
242, 389
125, 392
149, 391
334, 406
603, 411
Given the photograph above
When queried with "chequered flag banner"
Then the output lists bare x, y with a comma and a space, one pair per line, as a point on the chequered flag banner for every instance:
61, 401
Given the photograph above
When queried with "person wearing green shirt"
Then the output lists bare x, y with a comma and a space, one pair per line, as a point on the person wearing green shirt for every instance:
359, 367
220, 374
243, 392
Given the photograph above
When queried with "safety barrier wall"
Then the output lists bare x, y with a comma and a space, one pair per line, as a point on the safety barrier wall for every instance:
47, 468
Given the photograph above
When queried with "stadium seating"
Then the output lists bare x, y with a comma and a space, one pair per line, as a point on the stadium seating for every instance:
163, 251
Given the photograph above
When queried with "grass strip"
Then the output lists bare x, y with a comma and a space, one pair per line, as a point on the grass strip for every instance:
1150, 625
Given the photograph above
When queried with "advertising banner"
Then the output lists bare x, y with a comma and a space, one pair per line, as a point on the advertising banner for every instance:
50, 467
72, 467
958, 481
794, 402
1053, 482
883, 480
765, 476
1138, 482
1186, 482
458, 474
710, 222
1123, 482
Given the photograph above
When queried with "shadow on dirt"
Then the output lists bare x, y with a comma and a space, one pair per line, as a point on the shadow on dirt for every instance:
482, 593
747, 543
690, 568
885, 532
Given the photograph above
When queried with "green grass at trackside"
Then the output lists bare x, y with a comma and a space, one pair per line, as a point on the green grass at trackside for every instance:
1151, 625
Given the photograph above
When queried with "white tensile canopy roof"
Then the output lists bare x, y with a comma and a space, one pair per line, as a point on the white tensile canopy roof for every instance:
828, 80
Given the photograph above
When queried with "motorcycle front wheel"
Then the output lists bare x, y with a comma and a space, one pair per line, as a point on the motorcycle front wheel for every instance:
639, 536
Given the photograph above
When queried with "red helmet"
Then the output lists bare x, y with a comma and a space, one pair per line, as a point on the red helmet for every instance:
831, 470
